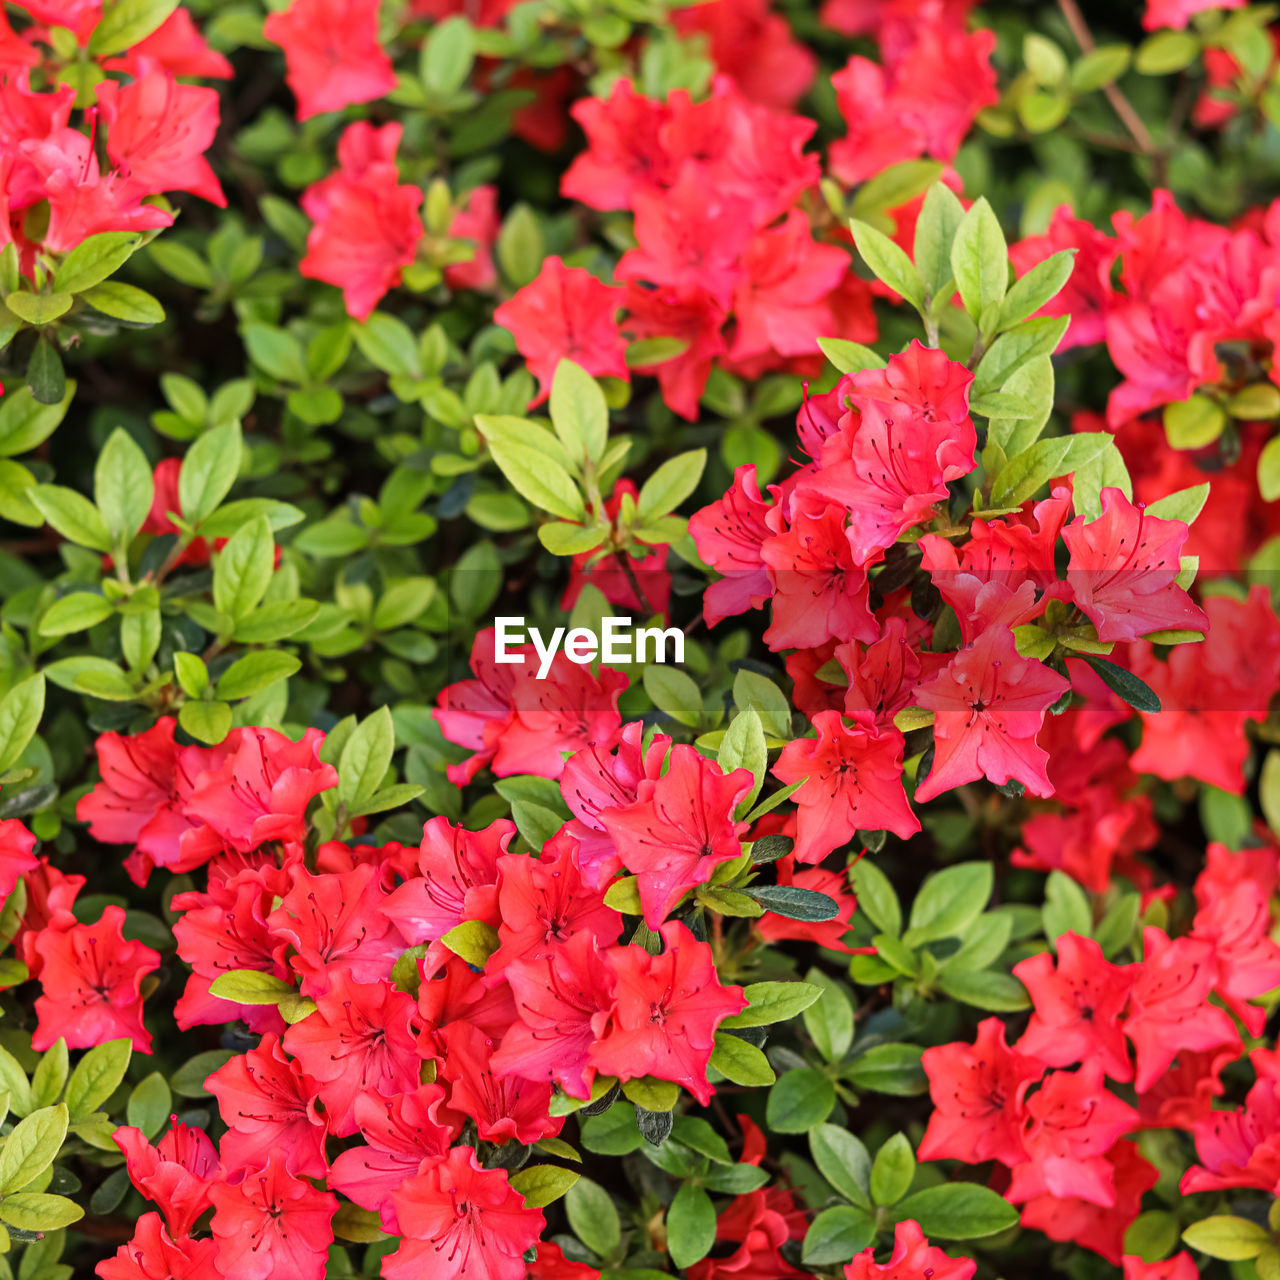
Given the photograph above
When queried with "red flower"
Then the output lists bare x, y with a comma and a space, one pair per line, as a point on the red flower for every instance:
989, 703
158, 130
566, 314
177, 46
729, 535
1171, 1009
367, 228
1180, 1267
1123, 568
176, 1174
272, 1224
679, 829
401, 1133
16, 858
1177, 13
331, 52
666, 1012
461, 1220
914, 1258
269, 1106
476, 220
854, 772
692, 316
1078, 1005
458, 880
358, 1039
979, 1098
152, 1255
91, 981
1240, 1148
563, 1002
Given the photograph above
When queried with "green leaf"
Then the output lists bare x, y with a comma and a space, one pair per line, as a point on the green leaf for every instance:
39, 308
995, 992
388, 343
257, 671
877, 899
1194, 423
276, 352
579, 412
448, 56
126, 23
836, 1235
948, 900
50, 1075
1030, 292
1015, 348
770, 1002
243, 569
563, 539
77, 612
208, 472
149, 1104
45, 374
890, 1068
673, 692
892, 1171
844, 1162
671, 484
614, 1133
1184, 505
35, 1211
249, 986
743, 747
1228, 1238
25, 422
1164, 53
691, 1225
799, 1100
537, 478
849, 357
97, 1076
188, 1080
1269, 470
1027, 473
124, 302
366, 757
750, 689
72, 515
888, 262
940, 216
20, 712
958, 1211
1066, 908
740, 1062
122, 486
542, 1184
980, 259
473, 940
520, 248
207, 722
93, 260
1135, 692
30, 1149
829, 1020
1100, 67
795, 904
593, 1217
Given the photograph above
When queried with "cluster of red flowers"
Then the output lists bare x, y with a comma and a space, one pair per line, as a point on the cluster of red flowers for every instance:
157, 129
1066, 1140
553, 1000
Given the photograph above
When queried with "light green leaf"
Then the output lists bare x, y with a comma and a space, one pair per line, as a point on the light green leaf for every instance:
980, 259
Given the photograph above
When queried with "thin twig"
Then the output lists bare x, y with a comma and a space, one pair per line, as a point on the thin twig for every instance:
630, 573
1122, 106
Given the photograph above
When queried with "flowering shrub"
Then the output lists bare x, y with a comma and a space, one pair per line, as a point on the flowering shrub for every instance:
639, 640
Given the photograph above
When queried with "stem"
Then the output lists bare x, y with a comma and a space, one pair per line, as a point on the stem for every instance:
1121, 105
621, 557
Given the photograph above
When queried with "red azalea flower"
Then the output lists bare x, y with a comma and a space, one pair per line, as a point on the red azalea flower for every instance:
158, 130
1177, 13
1078, 1005
152, 1255
566, 314
16, 858
691, 316
666, 1012
176, 1174
269, 1105
729, 535
1180, 1267
854, 772
979, 1098
458, 880
331, 52
399, 1133
1123, 568
177, 46
1240, 1148
272, 1224
989, 702
477, 220
679, 829
461, 1220
358, 1039
91, 981
913, 1258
